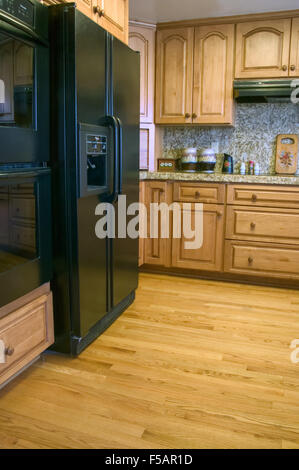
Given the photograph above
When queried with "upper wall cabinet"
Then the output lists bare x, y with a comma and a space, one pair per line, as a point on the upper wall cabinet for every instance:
194, 80
113, 15
174, 71
294, 55
142, 39
263, 48
213, 75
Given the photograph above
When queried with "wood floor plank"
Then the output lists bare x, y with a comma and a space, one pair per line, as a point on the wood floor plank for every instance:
191, 364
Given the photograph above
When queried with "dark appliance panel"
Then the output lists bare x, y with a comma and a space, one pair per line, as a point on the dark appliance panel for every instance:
24, 85
125, 82
25, 233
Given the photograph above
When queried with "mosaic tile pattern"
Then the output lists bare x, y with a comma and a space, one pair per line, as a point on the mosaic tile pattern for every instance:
255, 132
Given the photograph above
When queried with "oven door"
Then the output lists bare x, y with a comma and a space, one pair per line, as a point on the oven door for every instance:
25, 233
24, 87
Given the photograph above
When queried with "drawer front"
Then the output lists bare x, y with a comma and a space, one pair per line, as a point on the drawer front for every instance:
26, 333
261, 259
22, 209
265, 196
23, 237
269, 225
193, 192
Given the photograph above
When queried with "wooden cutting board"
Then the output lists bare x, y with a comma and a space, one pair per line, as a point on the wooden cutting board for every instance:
286, 154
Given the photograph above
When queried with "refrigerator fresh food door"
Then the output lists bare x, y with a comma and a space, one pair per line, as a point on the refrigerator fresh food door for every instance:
125, 107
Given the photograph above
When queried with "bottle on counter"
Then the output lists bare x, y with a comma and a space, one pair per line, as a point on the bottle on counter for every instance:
256, 169
243, 169
251, 167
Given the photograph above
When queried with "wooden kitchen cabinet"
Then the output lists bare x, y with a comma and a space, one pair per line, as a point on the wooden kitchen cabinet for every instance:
142, 39
209, 256
213, 75
113, 15
294, 54
156, 250
26, 329
174, 76
194, 76
263, 48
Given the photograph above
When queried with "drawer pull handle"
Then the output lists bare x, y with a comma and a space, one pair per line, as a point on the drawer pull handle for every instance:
219, 214
252, 225
250, 260
197, 194
254, 197
9, 351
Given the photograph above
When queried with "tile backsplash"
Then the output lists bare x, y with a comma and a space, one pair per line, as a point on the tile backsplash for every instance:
255, 132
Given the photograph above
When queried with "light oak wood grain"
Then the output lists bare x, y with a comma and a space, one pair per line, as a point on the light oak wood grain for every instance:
191, 364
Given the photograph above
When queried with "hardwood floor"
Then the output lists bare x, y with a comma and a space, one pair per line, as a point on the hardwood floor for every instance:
192, 364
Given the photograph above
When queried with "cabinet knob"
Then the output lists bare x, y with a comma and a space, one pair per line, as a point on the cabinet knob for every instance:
219, 214
9, 351
194, 116
197, 194
284, 68
293, 68
250, 260
187, 115
254, 197
252, 225
98, 10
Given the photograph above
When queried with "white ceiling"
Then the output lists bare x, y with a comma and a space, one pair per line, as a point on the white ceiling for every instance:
154, 11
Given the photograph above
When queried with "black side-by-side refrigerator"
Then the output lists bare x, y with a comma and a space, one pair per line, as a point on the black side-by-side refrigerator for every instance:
95, 160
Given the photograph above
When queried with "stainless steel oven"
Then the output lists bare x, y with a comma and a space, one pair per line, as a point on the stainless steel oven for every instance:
25, 232
24, 81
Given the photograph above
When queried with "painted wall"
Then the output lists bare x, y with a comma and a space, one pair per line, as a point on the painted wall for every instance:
255, 132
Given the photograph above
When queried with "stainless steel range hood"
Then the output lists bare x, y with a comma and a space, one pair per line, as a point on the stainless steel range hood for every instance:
263, 91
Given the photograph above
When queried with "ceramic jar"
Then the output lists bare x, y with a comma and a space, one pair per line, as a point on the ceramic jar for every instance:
207, 161
189, 160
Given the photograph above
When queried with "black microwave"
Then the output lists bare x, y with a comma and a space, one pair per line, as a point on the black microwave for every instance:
24, 82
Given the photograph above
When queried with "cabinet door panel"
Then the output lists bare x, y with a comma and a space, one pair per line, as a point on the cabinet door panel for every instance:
262, 49
294, 56
174, 76
213, 74
155, 248
115, 18
143, 41
209, 256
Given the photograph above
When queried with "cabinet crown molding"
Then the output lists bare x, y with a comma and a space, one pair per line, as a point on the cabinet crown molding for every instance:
230, 19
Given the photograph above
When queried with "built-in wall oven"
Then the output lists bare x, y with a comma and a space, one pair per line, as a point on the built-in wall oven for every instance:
24, 81
25, 177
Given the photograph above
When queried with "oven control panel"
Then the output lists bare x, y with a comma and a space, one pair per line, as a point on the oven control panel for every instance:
22, 10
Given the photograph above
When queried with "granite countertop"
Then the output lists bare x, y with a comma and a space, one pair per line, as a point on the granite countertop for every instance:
219, 178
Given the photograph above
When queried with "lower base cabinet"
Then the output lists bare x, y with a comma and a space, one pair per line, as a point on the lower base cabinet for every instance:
249, 231
207, 257
26, 330
262, 259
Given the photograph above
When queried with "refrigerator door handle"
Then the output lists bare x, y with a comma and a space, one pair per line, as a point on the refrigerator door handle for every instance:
113, 122
120, 125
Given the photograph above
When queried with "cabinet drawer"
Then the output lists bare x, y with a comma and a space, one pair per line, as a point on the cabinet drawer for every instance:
23, 237
26, 332
258, 224
266, 196
262, 259
22, 209
193, 192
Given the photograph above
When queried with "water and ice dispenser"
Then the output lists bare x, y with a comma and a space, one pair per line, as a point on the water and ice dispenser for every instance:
94, 160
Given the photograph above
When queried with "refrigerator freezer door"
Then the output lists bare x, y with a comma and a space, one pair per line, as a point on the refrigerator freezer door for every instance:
125, 69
